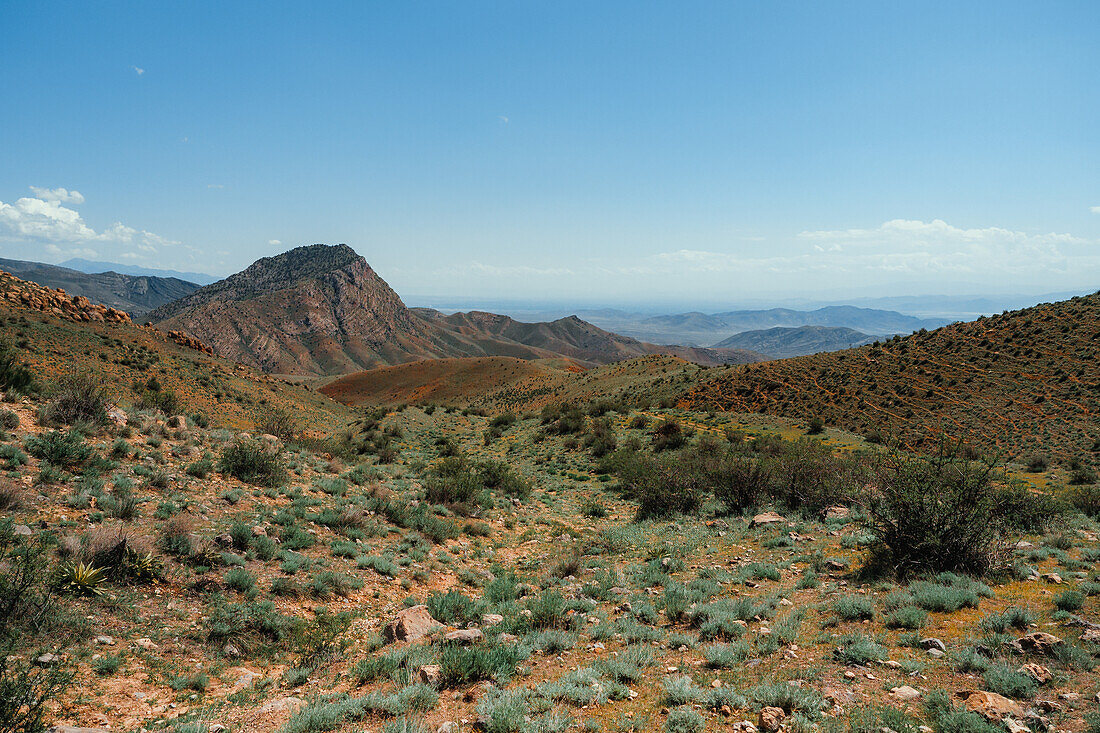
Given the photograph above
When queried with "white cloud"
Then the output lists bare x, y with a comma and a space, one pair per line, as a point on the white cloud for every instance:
503, 119
215, 185
41, 223
58, 194
900, 247
274, 242
138, 69
1095, 209
480, 268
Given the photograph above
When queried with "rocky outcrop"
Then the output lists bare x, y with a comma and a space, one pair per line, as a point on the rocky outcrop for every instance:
56, 302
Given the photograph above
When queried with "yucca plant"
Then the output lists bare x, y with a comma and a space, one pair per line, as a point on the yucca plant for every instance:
141, 567
81, 579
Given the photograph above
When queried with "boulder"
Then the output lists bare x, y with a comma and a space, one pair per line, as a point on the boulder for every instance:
835, 512
766, 518
411, 624
464, 636
905, 692
770, 719
932, 643
430, 674
492, 619
1038, 642
177, 422
1037, 672
992, 706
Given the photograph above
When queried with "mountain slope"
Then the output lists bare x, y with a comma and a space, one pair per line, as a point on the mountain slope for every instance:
135, 294
59, 335
322, 310
1017, 383
782, 343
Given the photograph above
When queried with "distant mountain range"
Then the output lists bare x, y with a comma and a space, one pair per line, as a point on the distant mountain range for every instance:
322, 310
92, 267
135, 294
782, 343
713, 328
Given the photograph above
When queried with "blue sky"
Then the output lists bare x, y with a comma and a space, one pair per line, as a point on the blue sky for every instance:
597, 152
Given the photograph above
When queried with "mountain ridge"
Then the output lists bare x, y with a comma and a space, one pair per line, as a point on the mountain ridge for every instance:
321, 310
135, 294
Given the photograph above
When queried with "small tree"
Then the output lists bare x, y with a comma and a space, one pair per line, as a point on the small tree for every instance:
935, 514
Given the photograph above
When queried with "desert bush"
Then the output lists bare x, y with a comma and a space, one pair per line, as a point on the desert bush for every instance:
1069, 600
1014, 617
684, 720
464, 665
246, 625
1085, 498
947, 593
853, 608
14, 374
906, 617
8, 420
278, 423
62, 449
253, 462
680, 690
935, 514
77, 398
1006, 681
669, 435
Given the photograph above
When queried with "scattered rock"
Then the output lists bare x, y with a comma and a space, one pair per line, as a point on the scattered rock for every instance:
22, 530
905, 692
411, 624
491, 619
104, 640
74, 729
771, 719
1054, 578
835, 512
464, 636
1039, 642
430, 674
1037, 672
766, 518
744, 726
932, 643
448, 727
177, 422
992, 706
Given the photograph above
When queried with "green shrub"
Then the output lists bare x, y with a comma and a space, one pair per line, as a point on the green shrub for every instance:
107, 664
858, 649
1014, 617
240, 580
253, 462
14, 374
78, 398
907, 617
1006, 681
464, 665
1070, 600
934, 514
933, 596
453, 607
680, 690
62, 449
853, 608
684, 720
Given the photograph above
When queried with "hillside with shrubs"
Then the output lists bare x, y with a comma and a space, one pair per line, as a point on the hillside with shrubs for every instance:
1021, 384
247, 555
